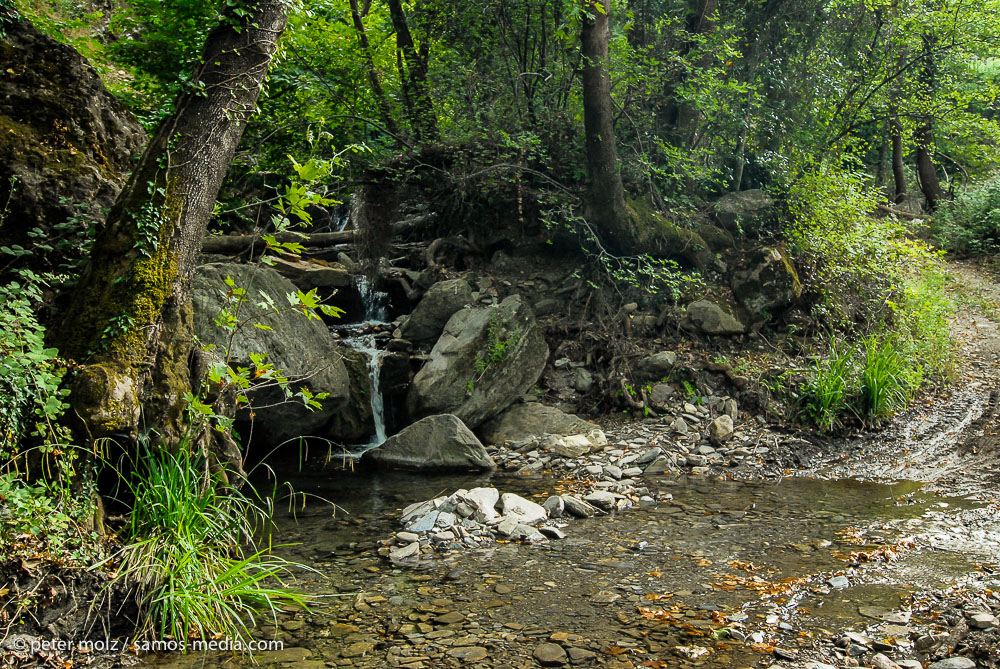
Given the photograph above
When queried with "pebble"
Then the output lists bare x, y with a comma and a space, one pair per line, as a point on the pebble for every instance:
838, 582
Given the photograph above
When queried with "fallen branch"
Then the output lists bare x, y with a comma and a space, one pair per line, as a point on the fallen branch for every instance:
903, 214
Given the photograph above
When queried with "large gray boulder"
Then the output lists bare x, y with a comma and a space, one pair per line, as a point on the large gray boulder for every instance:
522, 421
302, 349
438, 304
484, 360
354, 423
67, 143
432, 444
743, 210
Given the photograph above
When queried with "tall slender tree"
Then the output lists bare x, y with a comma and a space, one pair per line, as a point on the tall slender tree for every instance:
606, 194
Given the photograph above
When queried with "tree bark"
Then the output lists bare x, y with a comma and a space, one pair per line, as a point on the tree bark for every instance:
373, 76
422, 117
606, 197
898, 166
927, 173
131, 322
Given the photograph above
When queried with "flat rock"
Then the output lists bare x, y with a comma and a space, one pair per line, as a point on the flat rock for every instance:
550, 655
522, 421
468, 653
601, 499
524, 510
954, 663
577, 507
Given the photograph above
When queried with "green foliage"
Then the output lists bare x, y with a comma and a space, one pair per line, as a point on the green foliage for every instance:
190, 555
31, 400
500, 340
852, 260
823, 398
887, 380
969, 224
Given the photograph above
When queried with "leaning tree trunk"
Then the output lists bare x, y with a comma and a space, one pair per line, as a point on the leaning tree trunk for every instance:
927, 173
606, 197
130, 326
373, 76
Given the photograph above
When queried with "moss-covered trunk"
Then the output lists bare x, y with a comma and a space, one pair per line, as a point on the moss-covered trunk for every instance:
130, 325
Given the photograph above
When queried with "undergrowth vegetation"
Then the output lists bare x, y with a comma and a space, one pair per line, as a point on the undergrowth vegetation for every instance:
970, 223
880, 289
190, 556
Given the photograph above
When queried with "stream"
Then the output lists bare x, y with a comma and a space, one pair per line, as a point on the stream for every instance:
656, 582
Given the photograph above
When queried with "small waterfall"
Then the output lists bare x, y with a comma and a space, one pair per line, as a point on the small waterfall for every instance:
366, 344
376, 301
361, 337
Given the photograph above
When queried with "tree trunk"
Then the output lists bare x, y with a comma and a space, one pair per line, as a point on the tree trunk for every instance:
606, 195
422, 117
131, 322
898, 166
927, 172
373, 76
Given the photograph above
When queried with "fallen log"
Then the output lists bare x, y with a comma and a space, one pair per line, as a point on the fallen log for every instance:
237, 244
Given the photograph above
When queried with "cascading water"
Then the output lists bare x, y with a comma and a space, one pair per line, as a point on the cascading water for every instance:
376, 313
366, 344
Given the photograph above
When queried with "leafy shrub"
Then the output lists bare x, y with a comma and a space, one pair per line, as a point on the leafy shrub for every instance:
969, 224
849, 258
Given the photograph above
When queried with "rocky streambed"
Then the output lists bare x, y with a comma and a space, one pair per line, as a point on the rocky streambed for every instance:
678, 566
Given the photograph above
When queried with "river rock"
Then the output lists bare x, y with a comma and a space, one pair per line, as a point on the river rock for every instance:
554, 506
438, 304
982, 621
577, 507
432, 444
662, 395
463, 376
658, 365
301, 348
743, 210
484, 501
525, 511
954, 663
720, 430
550, 655
522, 421
712, 319
602, 499
880, 661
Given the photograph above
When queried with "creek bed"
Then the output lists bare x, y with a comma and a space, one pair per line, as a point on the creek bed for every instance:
654, 583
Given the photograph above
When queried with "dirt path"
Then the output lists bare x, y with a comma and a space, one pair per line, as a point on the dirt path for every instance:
950, 438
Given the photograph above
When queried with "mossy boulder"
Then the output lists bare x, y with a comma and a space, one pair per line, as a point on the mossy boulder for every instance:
745, 210
768, 284
484, 360
658, 236
64, 139
303, 349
